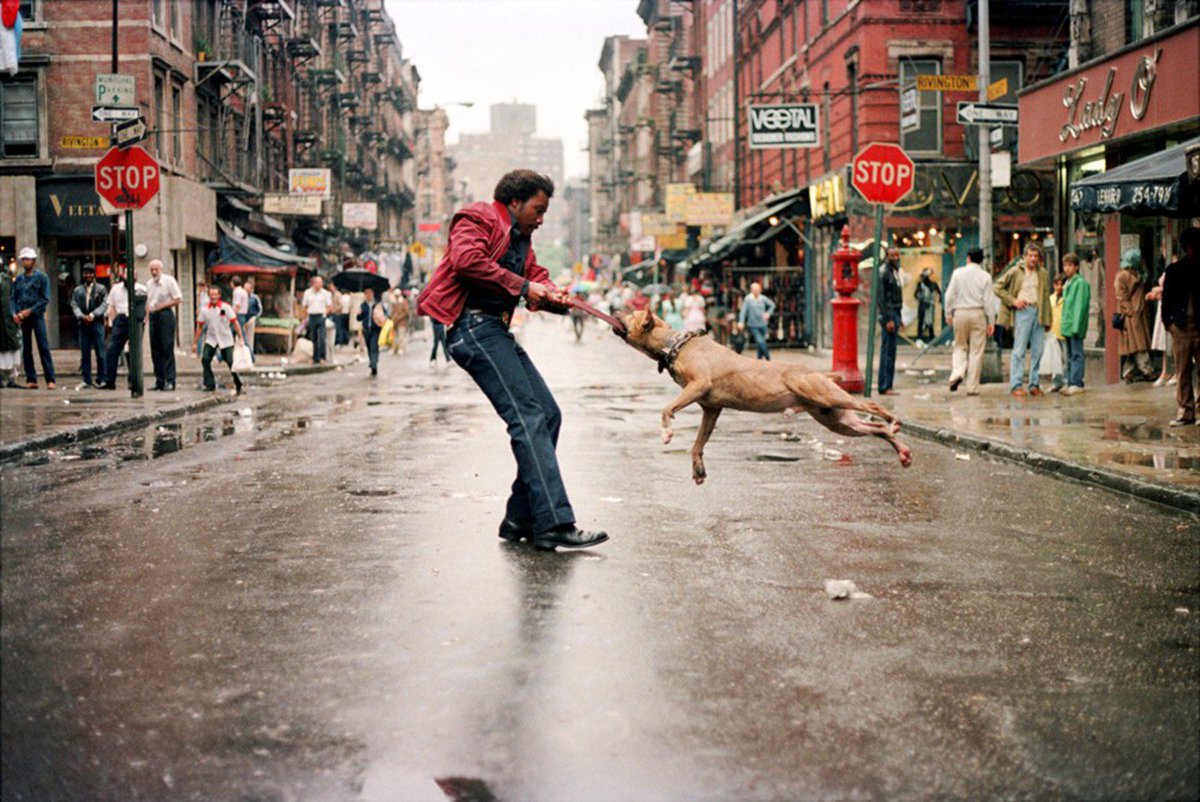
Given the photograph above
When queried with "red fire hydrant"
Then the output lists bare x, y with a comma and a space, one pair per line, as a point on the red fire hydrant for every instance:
845, 316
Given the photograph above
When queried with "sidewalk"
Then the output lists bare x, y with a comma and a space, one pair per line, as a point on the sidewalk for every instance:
31, 420
1114, 435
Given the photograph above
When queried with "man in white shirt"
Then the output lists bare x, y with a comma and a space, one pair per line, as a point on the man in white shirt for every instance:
221, 330
162, 296
969, 305
118, 319
316, 302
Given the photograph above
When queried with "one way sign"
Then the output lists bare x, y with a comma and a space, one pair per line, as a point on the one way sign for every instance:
971, 113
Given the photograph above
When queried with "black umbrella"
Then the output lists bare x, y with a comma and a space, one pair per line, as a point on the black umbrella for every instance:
356, 280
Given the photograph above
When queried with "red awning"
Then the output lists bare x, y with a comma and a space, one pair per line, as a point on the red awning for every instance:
225, 270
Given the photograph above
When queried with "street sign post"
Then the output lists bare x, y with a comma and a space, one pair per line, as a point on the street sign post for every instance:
883, 174
115, 114
130, 133
114, 89
976, 113
129, 179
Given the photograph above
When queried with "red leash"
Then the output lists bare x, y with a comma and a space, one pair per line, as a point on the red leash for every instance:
617, 325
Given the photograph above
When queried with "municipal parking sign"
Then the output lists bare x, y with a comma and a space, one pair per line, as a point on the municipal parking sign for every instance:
790, 125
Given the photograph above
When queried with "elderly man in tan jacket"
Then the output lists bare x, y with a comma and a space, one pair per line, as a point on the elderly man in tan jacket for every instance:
1024, 292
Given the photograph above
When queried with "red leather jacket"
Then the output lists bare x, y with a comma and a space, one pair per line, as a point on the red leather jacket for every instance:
479, 237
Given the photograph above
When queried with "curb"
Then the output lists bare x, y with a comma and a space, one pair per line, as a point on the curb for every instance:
9, 451
16, 449
1168, 495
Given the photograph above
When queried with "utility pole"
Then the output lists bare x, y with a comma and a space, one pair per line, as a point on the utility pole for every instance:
137, 309
115, 228
983, 132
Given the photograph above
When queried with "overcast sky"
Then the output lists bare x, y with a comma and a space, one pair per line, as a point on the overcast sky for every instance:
495, 51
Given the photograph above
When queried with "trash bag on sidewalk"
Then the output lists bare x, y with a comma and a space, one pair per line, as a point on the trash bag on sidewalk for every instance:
302, 352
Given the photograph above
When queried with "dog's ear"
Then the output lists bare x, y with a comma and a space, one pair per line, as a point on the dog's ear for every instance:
648, 323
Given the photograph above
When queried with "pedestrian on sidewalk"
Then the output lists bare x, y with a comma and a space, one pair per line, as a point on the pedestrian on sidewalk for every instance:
488, 267
201, 300
1130, 292
928, 294
1160, 339
402, 321
10, 332
222, 331
240, 300
254, 310
669, 310
118, 322
162, 297
968, 305
1077, 301
1180, 311
372, 314
1055, 357
889, 306
31, 296
755, 316
317, 303
1024, 291
89, 302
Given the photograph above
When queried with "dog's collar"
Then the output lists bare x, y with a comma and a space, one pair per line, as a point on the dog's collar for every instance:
670, 351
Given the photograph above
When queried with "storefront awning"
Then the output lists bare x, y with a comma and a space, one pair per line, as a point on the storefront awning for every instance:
250, 270
1154, 185
741, 234
236, 247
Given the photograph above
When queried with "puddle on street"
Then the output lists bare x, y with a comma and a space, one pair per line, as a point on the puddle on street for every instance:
371, 492
772, 458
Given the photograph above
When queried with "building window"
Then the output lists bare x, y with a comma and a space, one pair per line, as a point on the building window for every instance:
1135, 20
159, 115
27, 8
173, 19
927, 136
177, 124
18, 118
156, 12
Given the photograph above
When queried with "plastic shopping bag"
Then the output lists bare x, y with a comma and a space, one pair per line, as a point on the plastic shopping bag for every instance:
385, 334
242, 359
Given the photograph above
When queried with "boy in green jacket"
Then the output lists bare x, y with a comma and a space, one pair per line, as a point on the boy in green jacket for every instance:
1077, 297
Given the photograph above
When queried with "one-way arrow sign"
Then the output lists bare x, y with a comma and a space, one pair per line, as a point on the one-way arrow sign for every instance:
113, 114
986, 114
130, 132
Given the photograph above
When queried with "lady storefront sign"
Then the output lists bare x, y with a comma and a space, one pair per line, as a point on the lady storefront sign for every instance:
1108, 127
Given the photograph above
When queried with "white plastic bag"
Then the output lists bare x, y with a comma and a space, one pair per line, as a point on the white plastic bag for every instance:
242, 360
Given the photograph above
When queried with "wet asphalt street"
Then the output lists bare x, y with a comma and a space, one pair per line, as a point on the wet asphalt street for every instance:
301, 596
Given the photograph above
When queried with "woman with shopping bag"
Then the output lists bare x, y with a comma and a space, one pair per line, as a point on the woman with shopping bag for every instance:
376, 328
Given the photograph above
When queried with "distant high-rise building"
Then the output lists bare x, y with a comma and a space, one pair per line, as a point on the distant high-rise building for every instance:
510, 144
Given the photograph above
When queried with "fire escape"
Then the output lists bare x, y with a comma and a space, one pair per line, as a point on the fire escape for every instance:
272, 20
227, 71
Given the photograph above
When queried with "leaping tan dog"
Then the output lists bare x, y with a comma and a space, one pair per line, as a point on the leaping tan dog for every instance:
716, 378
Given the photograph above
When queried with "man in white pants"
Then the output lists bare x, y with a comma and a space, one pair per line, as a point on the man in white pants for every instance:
970, 304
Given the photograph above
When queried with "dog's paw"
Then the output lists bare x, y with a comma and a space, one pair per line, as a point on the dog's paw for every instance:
789, 413
667, 434
699, 475
906, 458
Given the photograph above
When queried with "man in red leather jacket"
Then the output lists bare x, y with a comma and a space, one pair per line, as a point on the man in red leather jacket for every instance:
488, 267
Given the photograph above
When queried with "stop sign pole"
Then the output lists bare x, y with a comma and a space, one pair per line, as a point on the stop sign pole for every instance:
883, 174
129, 179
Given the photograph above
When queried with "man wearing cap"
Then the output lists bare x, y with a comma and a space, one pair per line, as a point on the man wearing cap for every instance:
118, 319
162, 296
31, 296
89, 302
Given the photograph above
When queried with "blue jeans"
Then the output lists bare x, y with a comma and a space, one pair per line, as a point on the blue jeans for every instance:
483, 347
34, 327
1059, 379
1028, 335
887, 350
116, 344
316, 336
91, 338
1075, 361
371, 340
759, 333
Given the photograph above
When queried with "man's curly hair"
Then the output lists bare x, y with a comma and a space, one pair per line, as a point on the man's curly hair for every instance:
521, 185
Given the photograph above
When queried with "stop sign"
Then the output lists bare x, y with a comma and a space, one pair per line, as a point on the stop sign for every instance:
127, 179
883, 173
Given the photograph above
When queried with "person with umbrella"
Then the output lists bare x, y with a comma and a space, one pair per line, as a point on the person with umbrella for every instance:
372, 315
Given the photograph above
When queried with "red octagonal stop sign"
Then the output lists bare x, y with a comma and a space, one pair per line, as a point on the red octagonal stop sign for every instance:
127, 179
883, 173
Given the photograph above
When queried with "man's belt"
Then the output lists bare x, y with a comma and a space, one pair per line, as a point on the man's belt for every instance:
503, 317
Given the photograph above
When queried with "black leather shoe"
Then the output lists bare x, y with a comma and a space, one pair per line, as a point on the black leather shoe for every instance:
568, 538
515, 530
